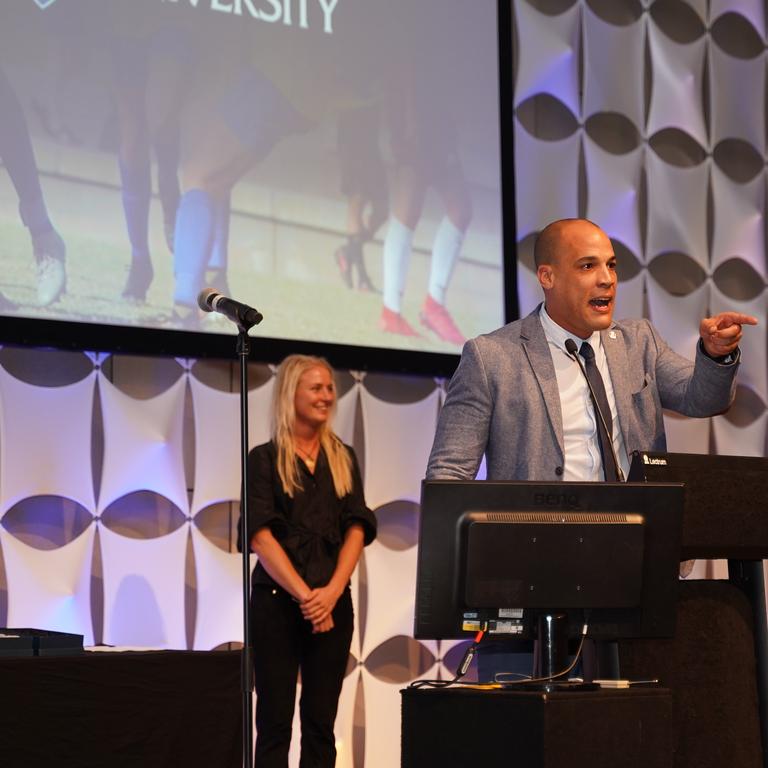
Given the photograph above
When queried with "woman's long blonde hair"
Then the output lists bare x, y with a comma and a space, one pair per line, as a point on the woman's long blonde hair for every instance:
283, 421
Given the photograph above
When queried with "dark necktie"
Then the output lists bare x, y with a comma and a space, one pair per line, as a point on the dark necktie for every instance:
604, 437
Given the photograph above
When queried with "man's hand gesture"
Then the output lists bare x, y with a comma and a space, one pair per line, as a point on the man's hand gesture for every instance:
722, 333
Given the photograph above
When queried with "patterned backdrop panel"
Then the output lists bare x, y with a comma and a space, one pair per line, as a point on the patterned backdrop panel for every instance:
143, 444
144, 589
673, 164
217, 439
45, 436
50, 588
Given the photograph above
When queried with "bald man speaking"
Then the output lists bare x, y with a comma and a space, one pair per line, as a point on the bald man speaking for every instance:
520, 394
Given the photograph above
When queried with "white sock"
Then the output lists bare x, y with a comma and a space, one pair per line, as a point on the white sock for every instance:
397, 257
445, 253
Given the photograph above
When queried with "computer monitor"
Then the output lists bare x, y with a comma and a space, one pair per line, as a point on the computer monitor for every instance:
501, 553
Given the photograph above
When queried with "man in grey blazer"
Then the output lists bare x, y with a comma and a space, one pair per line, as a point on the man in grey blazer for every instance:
519, 398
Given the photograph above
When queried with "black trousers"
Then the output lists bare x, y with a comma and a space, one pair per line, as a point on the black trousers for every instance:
283, 645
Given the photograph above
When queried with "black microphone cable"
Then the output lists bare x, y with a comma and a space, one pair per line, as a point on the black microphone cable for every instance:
573, 351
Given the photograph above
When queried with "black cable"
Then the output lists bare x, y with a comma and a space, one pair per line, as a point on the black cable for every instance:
557, 675
462, 669
571, 348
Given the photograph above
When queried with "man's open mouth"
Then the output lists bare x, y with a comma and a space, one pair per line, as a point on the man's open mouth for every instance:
600, 302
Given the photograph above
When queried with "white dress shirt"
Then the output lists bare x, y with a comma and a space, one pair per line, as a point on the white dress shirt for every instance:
582, 449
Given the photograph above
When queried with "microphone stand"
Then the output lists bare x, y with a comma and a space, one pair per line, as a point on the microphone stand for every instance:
244, 317
246, 667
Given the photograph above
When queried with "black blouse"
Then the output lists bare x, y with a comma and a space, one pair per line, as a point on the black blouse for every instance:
311, 526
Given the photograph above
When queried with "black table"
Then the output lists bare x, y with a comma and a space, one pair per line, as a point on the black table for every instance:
108, 710
459, 727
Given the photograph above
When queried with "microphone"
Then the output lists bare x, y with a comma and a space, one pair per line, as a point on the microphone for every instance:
573, 351
210, 300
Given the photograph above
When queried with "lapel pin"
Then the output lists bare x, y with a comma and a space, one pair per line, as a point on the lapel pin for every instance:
612, 334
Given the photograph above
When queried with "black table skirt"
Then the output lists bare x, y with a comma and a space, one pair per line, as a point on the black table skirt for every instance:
169, 708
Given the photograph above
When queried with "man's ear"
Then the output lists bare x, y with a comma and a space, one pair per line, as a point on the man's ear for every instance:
546, 276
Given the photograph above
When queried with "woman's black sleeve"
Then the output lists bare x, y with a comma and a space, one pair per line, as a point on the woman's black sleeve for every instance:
262, 480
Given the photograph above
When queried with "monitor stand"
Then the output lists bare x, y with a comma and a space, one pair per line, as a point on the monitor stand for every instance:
551, 656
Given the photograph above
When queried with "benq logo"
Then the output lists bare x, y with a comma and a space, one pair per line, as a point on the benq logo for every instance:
555, 499
43, 4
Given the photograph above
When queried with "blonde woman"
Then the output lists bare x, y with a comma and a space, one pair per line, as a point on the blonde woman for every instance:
308, 523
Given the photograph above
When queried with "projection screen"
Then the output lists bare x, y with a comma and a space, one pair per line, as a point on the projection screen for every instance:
333, 163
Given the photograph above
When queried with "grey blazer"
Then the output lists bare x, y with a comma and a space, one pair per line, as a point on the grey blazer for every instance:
503, 399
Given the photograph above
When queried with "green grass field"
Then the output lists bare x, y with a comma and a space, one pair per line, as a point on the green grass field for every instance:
289, 275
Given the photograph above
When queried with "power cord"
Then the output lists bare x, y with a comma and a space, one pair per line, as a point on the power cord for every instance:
529, 680
462, 669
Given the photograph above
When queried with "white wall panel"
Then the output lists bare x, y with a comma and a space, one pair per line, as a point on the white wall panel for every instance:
738, 221
219, 616
50, 589
678, 71
144, 589
217, 439
677, 318
629, 297
733, 107
45, 441
398, 439
613, 67
529, 291
677, 204
344, 420
355, 647
546, 174
753, 370
382, 720
613, 183
391, 592
548, 54
740, 440
142, 444
686, 435
345, 721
